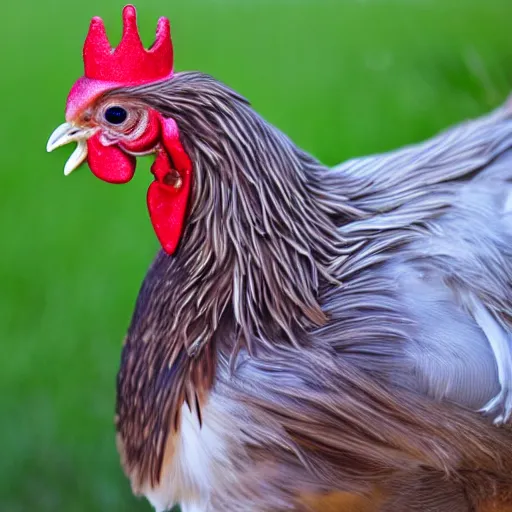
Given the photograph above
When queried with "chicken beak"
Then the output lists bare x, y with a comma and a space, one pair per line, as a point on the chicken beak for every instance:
65, 134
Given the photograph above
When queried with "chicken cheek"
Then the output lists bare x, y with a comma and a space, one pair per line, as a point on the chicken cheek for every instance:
109, 163
168, 195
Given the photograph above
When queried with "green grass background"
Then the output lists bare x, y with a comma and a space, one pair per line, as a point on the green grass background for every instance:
343, 78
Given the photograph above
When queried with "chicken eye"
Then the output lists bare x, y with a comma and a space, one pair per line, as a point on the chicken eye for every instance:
116, 115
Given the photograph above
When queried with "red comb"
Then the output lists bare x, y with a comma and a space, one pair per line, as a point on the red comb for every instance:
130, 63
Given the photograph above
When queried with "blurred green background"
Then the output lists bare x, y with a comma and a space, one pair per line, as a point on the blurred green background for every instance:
343, 78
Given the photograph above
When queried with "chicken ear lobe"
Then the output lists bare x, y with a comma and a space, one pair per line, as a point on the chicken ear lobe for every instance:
168, 195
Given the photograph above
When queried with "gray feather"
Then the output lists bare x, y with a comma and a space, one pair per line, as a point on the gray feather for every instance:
360, 316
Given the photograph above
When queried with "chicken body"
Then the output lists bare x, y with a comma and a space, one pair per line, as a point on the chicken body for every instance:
324, 337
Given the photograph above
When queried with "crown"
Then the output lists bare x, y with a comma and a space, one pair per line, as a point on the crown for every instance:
130, 63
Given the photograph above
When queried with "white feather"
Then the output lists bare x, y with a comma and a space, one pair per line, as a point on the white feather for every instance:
188, 480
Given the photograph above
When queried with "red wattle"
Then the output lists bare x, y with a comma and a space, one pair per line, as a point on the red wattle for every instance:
109, 163
167, 203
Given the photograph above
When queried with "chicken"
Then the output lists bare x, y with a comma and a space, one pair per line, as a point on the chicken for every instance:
308, 338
